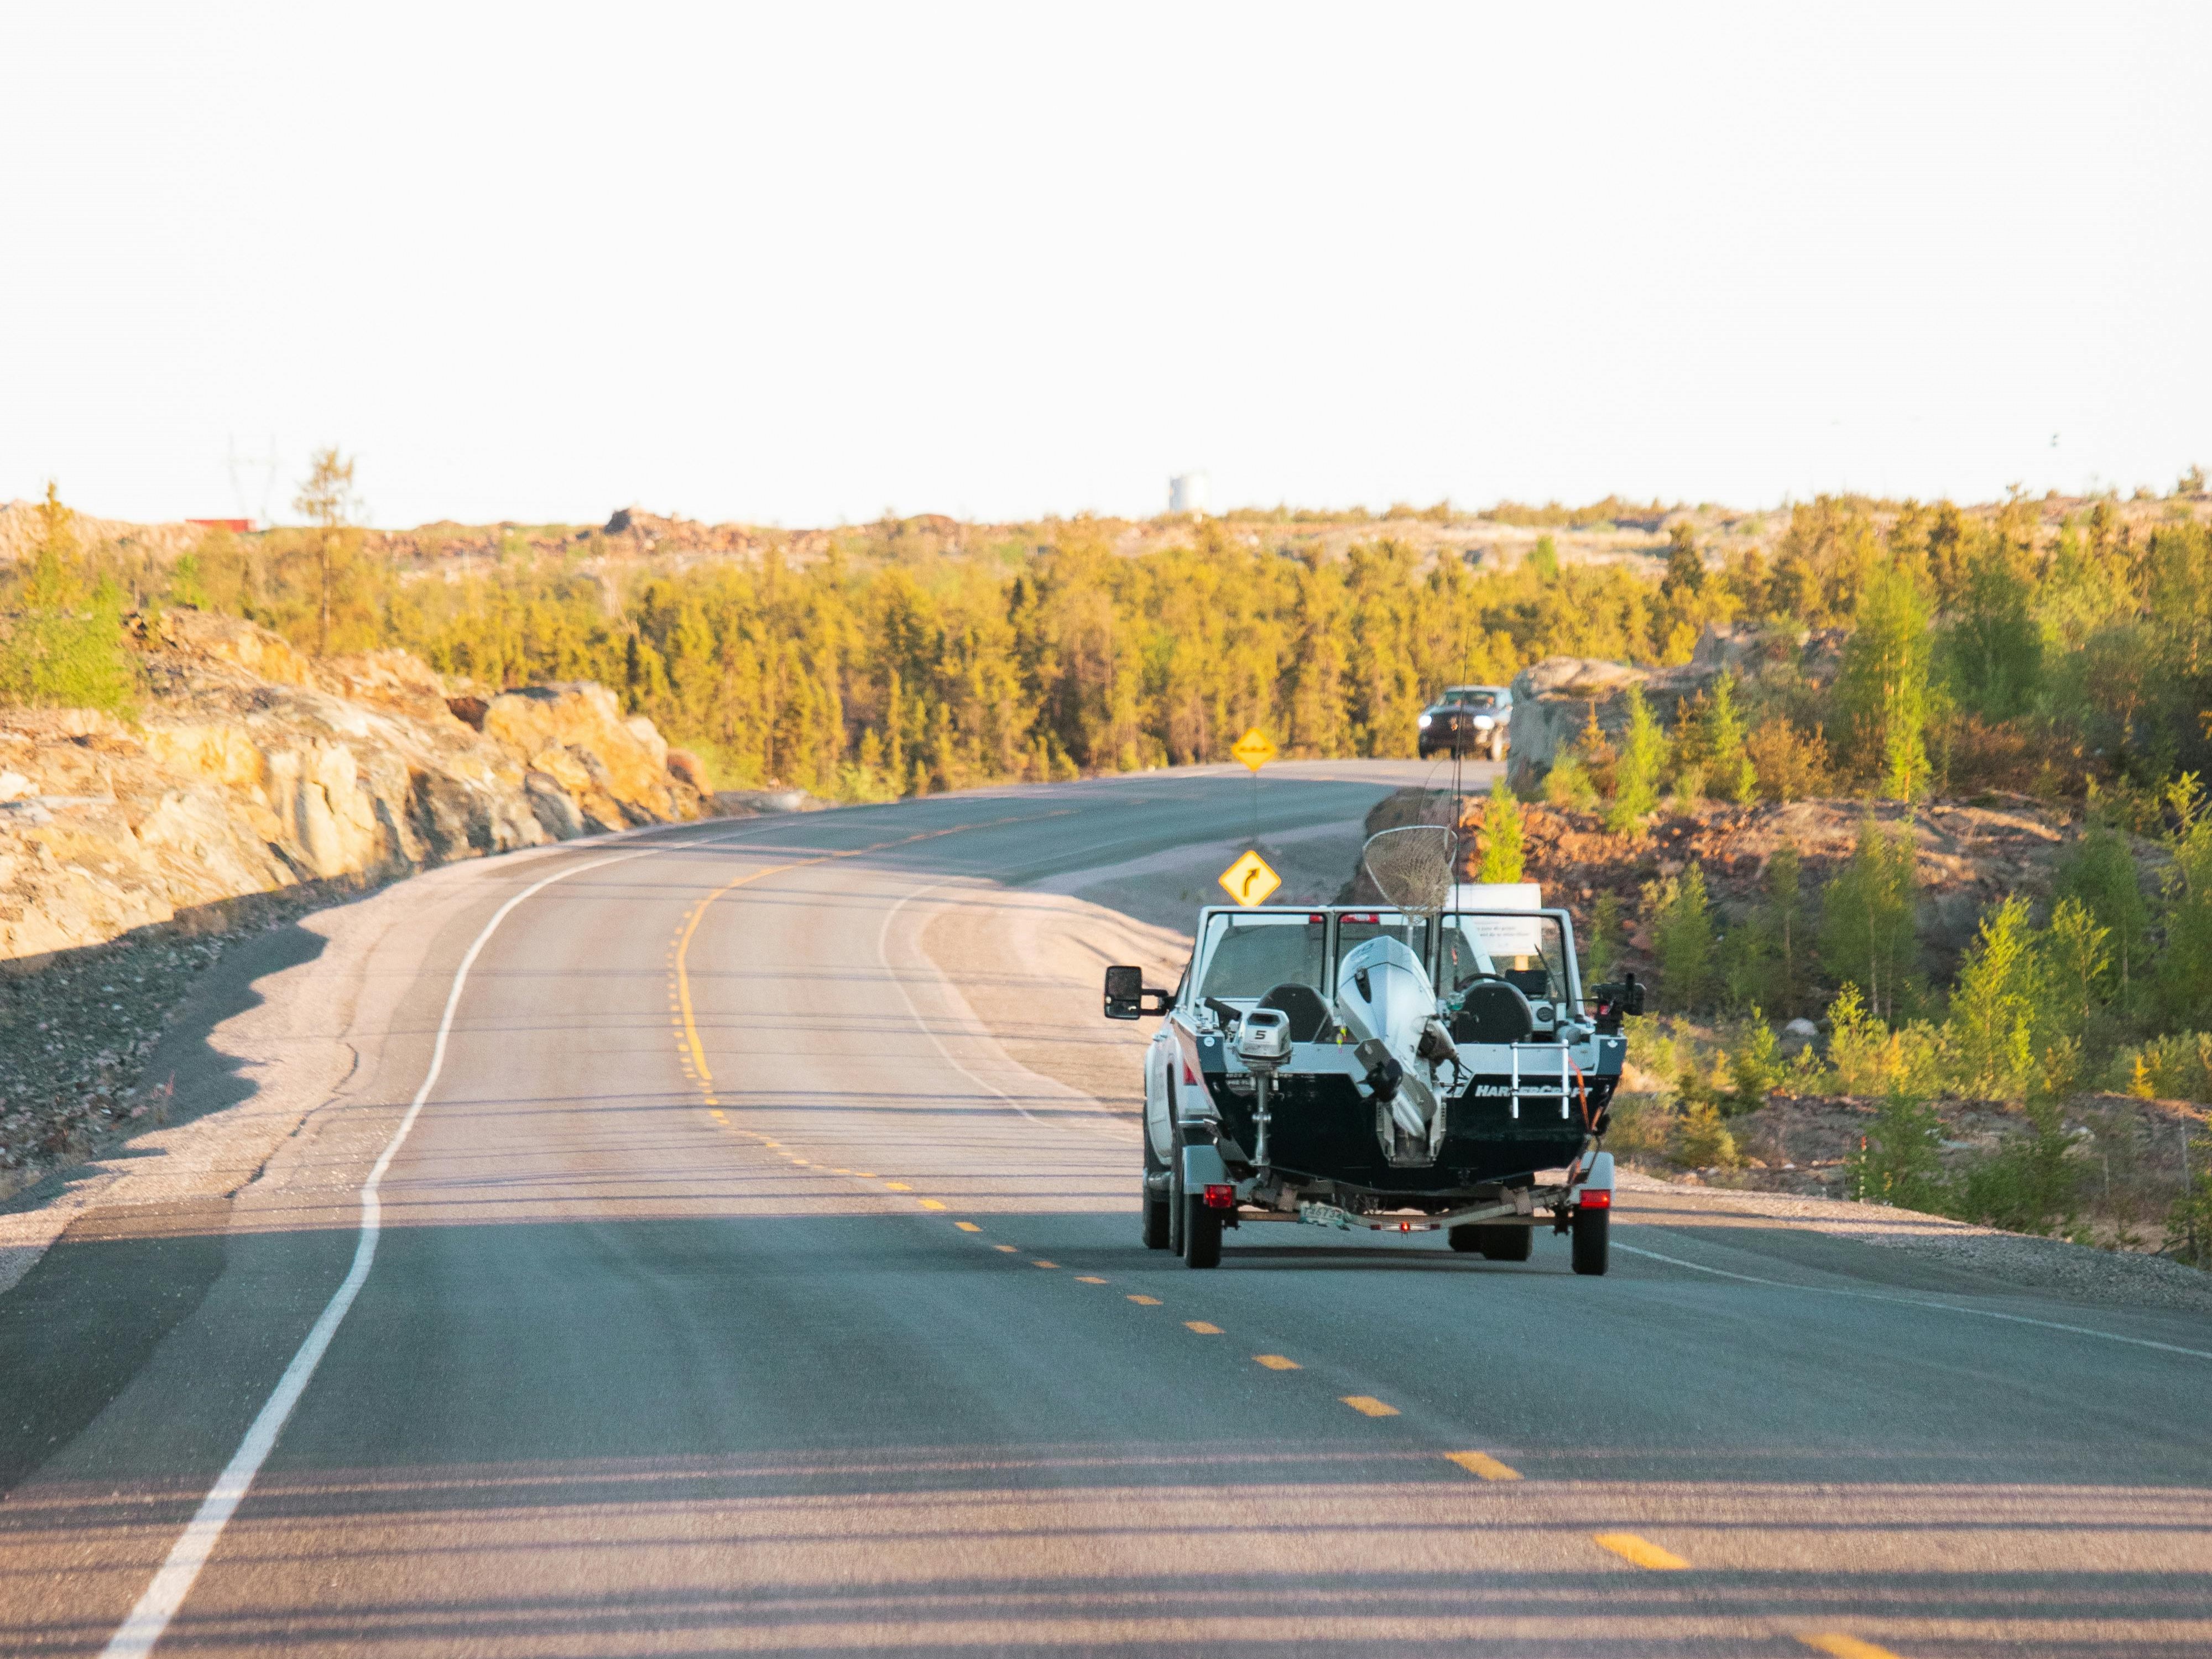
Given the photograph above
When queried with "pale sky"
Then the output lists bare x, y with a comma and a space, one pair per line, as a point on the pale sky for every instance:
798, 263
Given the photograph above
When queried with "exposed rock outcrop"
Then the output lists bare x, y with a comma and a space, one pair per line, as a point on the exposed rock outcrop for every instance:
1555, 699
249, 768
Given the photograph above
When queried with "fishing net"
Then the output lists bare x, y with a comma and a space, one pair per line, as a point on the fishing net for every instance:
1411, 867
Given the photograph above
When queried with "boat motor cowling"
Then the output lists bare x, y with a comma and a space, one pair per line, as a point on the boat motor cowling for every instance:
1263, 1040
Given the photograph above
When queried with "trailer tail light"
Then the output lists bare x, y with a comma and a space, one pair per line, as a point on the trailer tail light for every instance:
1594, 1198
1221, 1198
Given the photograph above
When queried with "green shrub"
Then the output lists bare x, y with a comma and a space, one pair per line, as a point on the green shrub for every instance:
1755, 1066
2029, 1186
1568, 784
1866, 1057
1702, 1140
2177, 1066
1787, 764
1640, 1124
1898, 1159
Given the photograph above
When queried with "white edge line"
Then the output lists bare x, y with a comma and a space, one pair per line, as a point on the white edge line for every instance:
150, 1619
883, 951
1917, 1302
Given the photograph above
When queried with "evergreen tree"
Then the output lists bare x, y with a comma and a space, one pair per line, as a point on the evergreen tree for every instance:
1682, 937
64, 647
1728, 771
1636, 774
1881, 694
1501, 829
1866, 917
2099, 874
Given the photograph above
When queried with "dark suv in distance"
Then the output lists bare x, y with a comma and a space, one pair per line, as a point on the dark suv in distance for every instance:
1470, 719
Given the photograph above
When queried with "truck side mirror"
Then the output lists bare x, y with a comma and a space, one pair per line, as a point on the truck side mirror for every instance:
1127, 996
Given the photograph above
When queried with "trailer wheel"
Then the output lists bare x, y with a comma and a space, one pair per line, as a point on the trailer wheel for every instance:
1467, 1240
1177, 1209
1202, 1233
1158, 1207
1592, 1240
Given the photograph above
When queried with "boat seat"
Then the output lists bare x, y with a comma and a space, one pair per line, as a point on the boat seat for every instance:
1310, 1020
1493, 1011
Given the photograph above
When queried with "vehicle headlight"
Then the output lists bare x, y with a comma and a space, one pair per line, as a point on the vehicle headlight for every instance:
1424, 720
1484, 722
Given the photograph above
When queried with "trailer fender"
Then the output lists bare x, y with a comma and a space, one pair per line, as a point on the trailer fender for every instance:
1202, 1168
1598, 1179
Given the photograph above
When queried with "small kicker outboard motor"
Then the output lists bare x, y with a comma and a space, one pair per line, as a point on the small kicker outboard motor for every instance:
1263, 1043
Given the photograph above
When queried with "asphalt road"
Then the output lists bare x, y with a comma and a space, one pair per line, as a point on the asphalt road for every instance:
726, 1299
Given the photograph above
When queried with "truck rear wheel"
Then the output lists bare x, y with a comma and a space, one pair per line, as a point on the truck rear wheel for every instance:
1592, 1240
1157, 1206
1202, 1233
1493, 1243
1508, 1244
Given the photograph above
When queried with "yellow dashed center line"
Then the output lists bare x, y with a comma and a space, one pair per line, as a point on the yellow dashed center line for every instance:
1088, 1279
865, 1174
1484, 1464
1146, 1301
1006, 1249
1368, 1406
1642, 1550
1845, 1647
897, 1186
964, 1226
1201, 1327
1044, 1264
931, 1204
1275, 1362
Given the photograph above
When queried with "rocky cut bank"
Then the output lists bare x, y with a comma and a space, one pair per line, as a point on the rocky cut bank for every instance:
249, 768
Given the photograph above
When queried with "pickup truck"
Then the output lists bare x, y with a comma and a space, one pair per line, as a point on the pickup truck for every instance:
1374, 1071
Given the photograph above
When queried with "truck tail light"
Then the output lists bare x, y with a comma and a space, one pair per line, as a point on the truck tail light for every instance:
1594, 1198
1190, 1077
1221, 1198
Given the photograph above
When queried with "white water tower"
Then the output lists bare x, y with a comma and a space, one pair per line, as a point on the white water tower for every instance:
1187, 493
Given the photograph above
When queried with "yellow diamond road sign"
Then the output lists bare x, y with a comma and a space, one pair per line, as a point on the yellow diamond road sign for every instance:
1248, 881
1253, 748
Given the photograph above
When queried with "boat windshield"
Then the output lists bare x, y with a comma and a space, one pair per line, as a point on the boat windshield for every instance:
1526, 949
1249, 955
1358, 926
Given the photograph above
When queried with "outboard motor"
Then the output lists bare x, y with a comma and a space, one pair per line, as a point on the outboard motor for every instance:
1385, 1001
